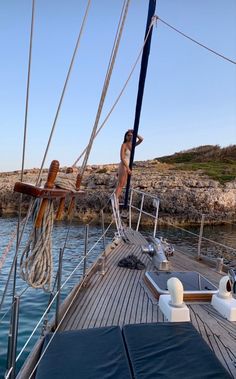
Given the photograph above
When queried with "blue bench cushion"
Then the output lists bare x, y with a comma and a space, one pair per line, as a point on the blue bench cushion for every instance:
85, 354
170, 350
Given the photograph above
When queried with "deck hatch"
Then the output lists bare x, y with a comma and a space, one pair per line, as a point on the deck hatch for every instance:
196, 286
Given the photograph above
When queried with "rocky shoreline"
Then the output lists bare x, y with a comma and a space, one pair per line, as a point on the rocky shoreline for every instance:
184, 195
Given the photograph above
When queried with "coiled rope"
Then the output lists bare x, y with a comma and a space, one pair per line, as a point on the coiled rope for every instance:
66, 181
36, 264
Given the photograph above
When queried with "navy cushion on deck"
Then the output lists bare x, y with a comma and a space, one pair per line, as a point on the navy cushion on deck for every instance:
170, 350
97, 353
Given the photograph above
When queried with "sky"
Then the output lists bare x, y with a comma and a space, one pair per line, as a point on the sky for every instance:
190, 93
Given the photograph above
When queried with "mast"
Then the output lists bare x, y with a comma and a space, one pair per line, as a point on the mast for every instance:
142, 77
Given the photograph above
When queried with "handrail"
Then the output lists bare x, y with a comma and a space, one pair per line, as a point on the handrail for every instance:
156, 202
104, 232
57, 292
54, 298
143, 212
63, 315
11, 305
204, 238
145, 193
155, 217
217, 257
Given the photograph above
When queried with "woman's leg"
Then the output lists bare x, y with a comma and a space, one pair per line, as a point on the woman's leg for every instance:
122, 179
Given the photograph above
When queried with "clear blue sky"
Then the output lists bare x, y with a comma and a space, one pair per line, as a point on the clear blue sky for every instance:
190, 94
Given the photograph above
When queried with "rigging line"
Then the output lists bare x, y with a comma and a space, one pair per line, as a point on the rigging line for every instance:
55, 331
120, 94
51, 339
55, 296
63, 250
15, 256
195, 41
233, 222
7, 249
116, 37
204, 238
64, 89
28, 89
9, 309
104, 91
24, 145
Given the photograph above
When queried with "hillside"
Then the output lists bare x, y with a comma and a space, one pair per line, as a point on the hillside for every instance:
214, 161
184, 195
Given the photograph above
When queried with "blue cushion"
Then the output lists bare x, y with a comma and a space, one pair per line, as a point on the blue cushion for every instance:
170, 350
97, 353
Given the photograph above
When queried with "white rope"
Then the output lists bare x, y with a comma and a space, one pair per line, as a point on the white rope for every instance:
66, 181
197, 42
25, 222
105, 88
121, 92
64, 90
116, 215
55, 296
36, 264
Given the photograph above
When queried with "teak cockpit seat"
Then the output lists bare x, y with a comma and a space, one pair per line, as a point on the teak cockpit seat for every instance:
143, 351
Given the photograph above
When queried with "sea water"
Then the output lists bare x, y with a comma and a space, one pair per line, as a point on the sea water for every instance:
34, 301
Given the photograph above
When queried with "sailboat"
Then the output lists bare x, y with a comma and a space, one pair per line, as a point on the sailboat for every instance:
142, 310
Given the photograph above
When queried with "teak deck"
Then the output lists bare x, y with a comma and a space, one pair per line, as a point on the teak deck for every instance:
120, 297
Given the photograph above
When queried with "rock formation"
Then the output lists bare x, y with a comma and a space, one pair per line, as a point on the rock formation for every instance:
184, 195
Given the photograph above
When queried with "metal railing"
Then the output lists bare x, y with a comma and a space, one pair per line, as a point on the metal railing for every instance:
144, 200
143, 196
54, 298
218, 249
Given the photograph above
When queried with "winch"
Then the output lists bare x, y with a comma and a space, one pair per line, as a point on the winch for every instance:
158, 250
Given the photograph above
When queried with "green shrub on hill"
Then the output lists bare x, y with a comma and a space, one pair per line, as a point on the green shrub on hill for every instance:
218, 163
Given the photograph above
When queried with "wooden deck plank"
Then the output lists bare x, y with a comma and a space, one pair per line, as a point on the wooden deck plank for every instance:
121, 307
100, 294
144, 310
121, 297
115, 287
216, 334
182, 262
112, 312
83, 304
124, 313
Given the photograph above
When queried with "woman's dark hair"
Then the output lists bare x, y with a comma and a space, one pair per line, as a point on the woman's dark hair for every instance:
125, 136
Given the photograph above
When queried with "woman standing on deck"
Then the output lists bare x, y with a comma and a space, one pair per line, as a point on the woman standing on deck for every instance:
124, 169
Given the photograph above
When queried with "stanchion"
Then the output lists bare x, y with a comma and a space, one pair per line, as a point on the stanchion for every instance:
200, 238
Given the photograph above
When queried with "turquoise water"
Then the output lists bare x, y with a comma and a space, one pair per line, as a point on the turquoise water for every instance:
33, 301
